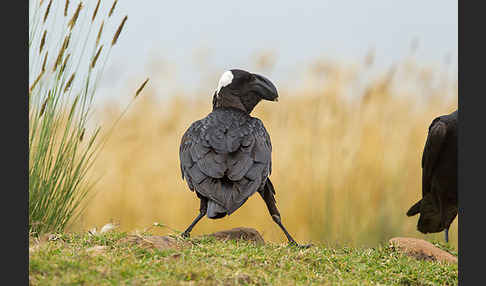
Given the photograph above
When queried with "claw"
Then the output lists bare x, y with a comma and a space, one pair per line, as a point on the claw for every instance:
301, 246
185, 235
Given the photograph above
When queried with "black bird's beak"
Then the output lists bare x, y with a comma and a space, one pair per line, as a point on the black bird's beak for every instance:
265, 88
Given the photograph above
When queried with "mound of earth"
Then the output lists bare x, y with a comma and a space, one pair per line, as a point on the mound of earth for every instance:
240, 233
172, 242
421, 249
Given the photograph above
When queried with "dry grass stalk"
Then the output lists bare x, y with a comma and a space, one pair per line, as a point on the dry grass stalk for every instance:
66, 6
118, 31
36, 81
93, 63
65, 62
73, 20
70, 81
141, 88
99, 33
43, 108
43, 41
95, 11
61, 51
112, 8
47, 11
82, 135
45, 61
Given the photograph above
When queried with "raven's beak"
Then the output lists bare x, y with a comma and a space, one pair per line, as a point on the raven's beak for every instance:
265, 88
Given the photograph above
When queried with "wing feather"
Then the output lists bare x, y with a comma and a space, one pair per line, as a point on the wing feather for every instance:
433, 146
226, 157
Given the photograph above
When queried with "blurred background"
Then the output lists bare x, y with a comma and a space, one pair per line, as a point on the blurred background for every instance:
359, 84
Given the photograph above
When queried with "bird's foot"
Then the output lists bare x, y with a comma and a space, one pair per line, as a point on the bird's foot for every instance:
185, 234
301, 246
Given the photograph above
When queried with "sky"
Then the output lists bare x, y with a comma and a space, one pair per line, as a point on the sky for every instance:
229, 33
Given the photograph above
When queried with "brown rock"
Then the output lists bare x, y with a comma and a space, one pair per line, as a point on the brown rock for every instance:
421, 249
240, 233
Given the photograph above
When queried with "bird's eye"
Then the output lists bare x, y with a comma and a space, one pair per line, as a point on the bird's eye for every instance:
251, 77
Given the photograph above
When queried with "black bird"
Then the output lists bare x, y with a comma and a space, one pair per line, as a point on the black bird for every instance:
438, 206
226, 156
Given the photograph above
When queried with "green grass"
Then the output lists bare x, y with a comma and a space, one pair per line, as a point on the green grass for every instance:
66, 260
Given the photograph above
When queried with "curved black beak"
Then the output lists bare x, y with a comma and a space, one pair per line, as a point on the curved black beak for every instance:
265, 88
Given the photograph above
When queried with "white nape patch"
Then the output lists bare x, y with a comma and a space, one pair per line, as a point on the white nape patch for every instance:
225, 79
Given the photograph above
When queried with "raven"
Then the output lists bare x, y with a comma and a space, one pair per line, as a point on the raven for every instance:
438, 206
226, 156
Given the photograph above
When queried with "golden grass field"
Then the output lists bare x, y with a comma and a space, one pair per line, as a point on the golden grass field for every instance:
346, 168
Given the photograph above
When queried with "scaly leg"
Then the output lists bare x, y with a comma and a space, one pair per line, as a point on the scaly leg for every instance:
269, 199
202, 212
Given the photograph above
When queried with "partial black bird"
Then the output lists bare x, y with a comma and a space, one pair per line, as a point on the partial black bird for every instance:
438, 206
226, 156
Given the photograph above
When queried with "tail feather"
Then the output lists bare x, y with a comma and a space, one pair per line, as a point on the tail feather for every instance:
231, 198
225, 196
431, 218
215, 210
415, 209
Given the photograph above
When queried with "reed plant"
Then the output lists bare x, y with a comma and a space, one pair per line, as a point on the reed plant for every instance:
67, 55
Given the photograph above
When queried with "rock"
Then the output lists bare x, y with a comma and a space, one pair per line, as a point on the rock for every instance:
240, 233
421, 249
159, 242
108, 227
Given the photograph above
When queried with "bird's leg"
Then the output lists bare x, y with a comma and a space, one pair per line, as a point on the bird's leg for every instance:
272, 209
446, 234
202, 212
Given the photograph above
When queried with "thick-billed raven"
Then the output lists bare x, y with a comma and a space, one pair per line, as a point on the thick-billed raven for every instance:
226, 156
438, 206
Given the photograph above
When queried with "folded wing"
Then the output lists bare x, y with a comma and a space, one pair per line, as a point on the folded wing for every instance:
226, 157
432, 149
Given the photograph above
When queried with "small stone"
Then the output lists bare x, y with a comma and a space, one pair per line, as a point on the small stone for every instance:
108, 227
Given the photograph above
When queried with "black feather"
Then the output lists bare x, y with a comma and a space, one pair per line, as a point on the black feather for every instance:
226, 157
438, 206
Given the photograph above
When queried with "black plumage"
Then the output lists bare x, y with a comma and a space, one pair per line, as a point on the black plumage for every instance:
226, 156
438, 206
